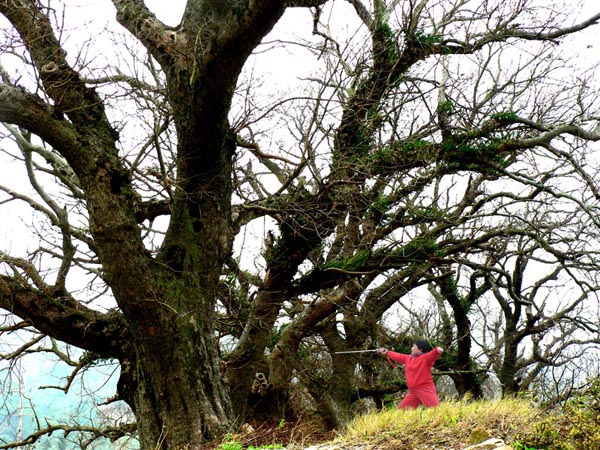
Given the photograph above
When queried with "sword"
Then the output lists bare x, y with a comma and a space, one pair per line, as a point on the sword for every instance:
355, 351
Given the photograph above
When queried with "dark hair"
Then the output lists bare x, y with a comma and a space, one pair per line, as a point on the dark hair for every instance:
423, 345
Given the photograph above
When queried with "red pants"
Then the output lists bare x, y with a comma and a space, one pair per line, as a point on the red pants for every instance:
426, 396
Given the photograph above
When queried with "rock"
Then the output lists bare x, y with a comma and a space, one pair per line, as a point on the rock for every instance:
490, 444
294, 447
478, 435
246, 429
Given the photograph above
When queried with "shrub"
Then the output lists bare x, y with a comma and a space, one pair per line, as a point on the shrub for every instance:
575, 427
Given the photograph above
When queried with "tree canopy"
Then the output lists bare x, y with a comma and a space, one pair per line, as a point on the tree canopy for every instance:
220, 234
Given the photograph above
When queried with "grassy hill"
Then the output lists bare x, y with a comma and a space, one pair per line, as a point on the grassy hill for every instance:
451, 426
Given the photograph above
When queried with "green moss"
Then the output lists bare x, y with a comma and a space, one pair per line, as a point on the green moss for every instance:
389, 40
428, 213
355, 139
417, 145
421, 248
405, 151
477, 154
507, 116
445, 107
353, 263
428, 40
381, 205
478, 435
387, 30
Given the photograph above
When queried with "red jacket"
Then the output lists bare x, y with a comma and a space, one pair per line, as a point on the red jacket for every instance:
418, 368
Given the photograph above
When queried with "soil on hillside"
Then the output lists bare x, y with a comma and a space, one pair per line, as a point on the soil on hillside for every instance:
303, 435
300, 434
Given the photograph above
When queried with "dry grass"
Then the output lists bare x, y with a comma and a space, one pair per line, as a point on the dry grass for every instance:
452, 425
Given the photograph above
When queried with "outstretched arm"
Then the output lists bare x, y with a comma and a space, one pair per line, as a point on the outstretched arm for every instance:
394, 356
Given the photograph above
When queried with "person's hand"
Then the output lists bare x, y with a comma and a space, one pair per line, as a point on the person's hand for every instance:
440, 350
381, 350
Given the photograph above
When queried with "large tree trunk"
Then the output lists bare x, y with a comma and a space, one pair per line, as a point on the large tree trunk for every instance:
173, 384
465, 379
177, 391
508, 370
170, 368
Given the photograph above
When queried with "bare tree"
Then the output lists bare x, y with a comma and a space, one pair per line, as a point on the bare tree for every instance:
374, 179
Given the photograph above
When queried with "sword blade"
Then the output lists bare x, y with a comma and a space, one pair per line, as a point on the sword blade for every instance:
355, 351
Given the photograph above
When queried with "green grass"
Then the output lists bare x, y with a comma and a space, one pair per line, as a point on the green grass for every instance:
458, 422
453, 425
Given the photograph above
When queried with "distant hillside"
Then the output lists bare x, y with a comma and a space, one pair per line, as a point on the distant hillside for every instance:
38, 406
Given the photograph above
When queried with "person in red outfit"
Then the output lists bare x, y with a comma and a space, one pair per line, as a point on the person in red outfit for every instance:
421, 389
